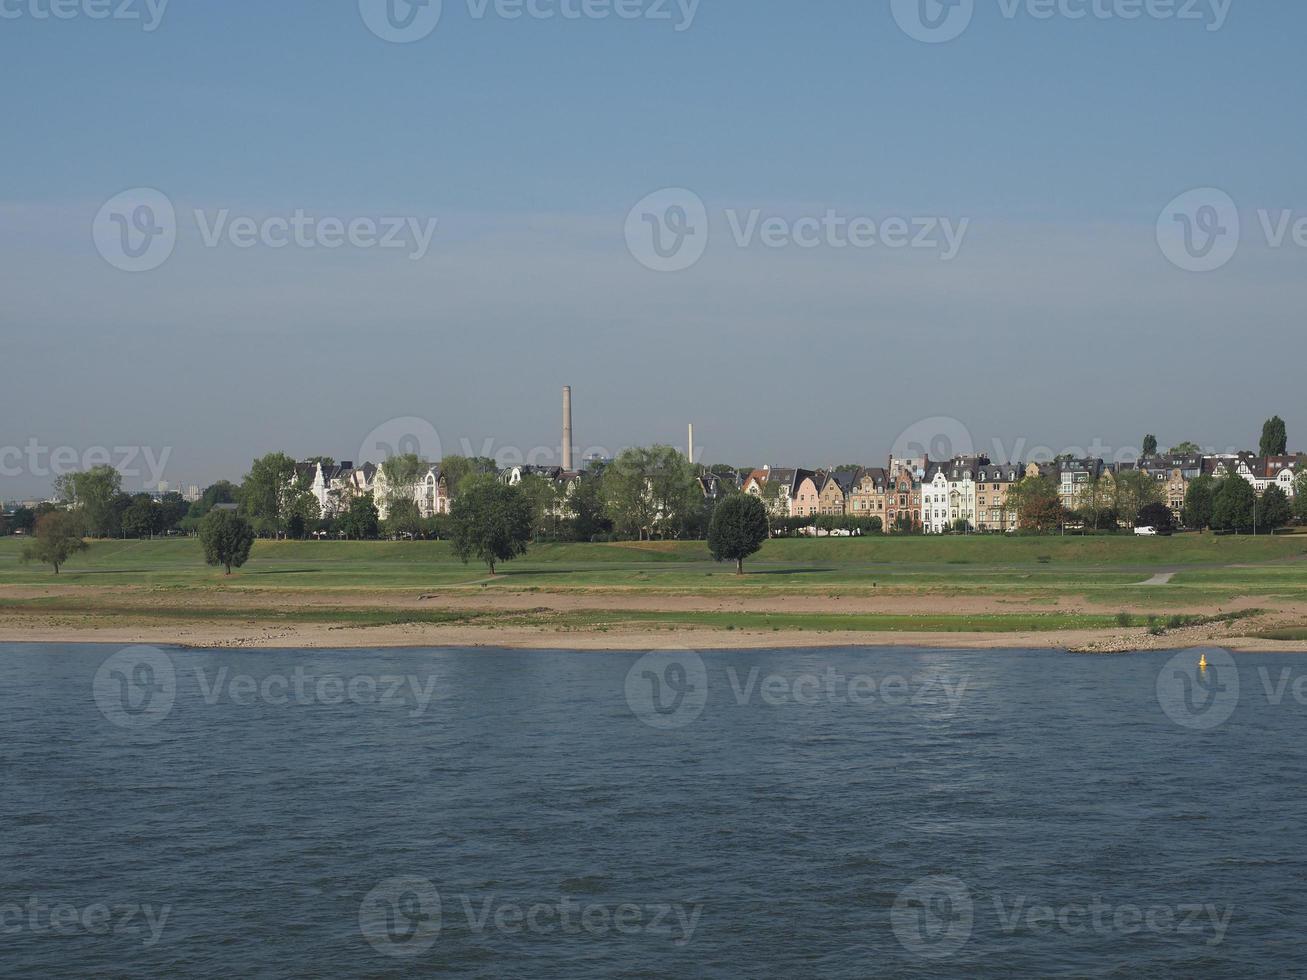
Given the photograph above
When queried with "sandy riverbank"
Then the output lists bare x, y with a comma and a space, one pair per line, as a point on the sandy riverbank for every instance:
320, 636
264, 619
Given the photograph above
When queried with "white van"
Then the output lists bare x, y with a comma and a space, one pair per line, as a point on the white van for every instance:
1148, 532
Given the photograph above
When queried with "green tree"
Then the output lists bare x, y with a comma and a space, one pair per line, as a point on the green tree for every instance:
1150, 445
586, 503
403, 518
1197, 511
459, 468
24, 520
1185, 448
1274, 510
173, 508
94, 493
1097, 499
1156, 515
141, 519
303, 514
268, 491
649, 491
490, 521
1135, 490
1299, 496
402, 474
738, 529
1233, 505
360, 520
57, 538
227, 539
222, 492
544, 502
1275, 438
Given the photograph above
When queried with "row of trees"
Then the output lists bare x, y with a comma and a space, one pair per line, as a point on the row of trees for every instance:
1135, 500
1232, 504
1274, 441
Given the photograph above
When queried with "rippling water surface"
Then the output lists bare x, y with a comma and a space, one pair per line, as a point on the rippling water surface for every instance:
897, 813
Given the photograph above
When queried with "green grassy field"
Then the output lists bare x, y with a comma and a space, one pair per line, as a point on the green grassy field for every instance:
1060, 563
1036, 576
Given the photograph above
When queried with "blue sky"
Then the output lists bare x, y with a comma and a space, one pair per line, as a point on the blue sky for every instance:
1059, 141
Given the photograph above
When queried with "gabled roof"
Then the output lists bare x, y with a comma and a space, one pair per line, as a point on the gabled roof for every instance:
842, 478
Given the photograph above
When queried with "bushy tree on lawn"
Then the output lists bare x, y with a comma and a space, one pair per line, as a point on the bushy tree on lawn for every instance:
491, 521
227, 538
360, 520
58, 537
738, 529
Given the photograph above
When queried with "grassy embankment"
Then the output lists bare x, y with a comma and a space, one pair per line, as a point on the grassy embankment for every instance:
1008, 584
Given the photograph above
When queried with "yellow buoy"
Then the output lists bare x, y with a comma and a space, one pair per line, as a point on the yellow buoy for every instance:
1202, 662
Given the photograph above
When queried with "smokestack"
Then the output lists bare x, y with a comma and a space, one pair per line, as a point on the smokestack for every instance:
567, 428
691, 442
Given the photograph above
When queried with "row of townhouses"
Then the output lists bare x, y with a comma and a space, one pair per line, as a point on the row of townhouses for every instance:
933, 495
917, 491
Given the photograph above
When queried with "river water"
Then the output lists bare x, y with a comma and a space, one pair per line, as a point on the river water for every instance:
785, 813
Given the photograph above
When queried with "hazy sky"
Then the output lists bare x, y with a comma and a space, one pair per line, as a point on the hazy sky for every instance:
1052, 148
